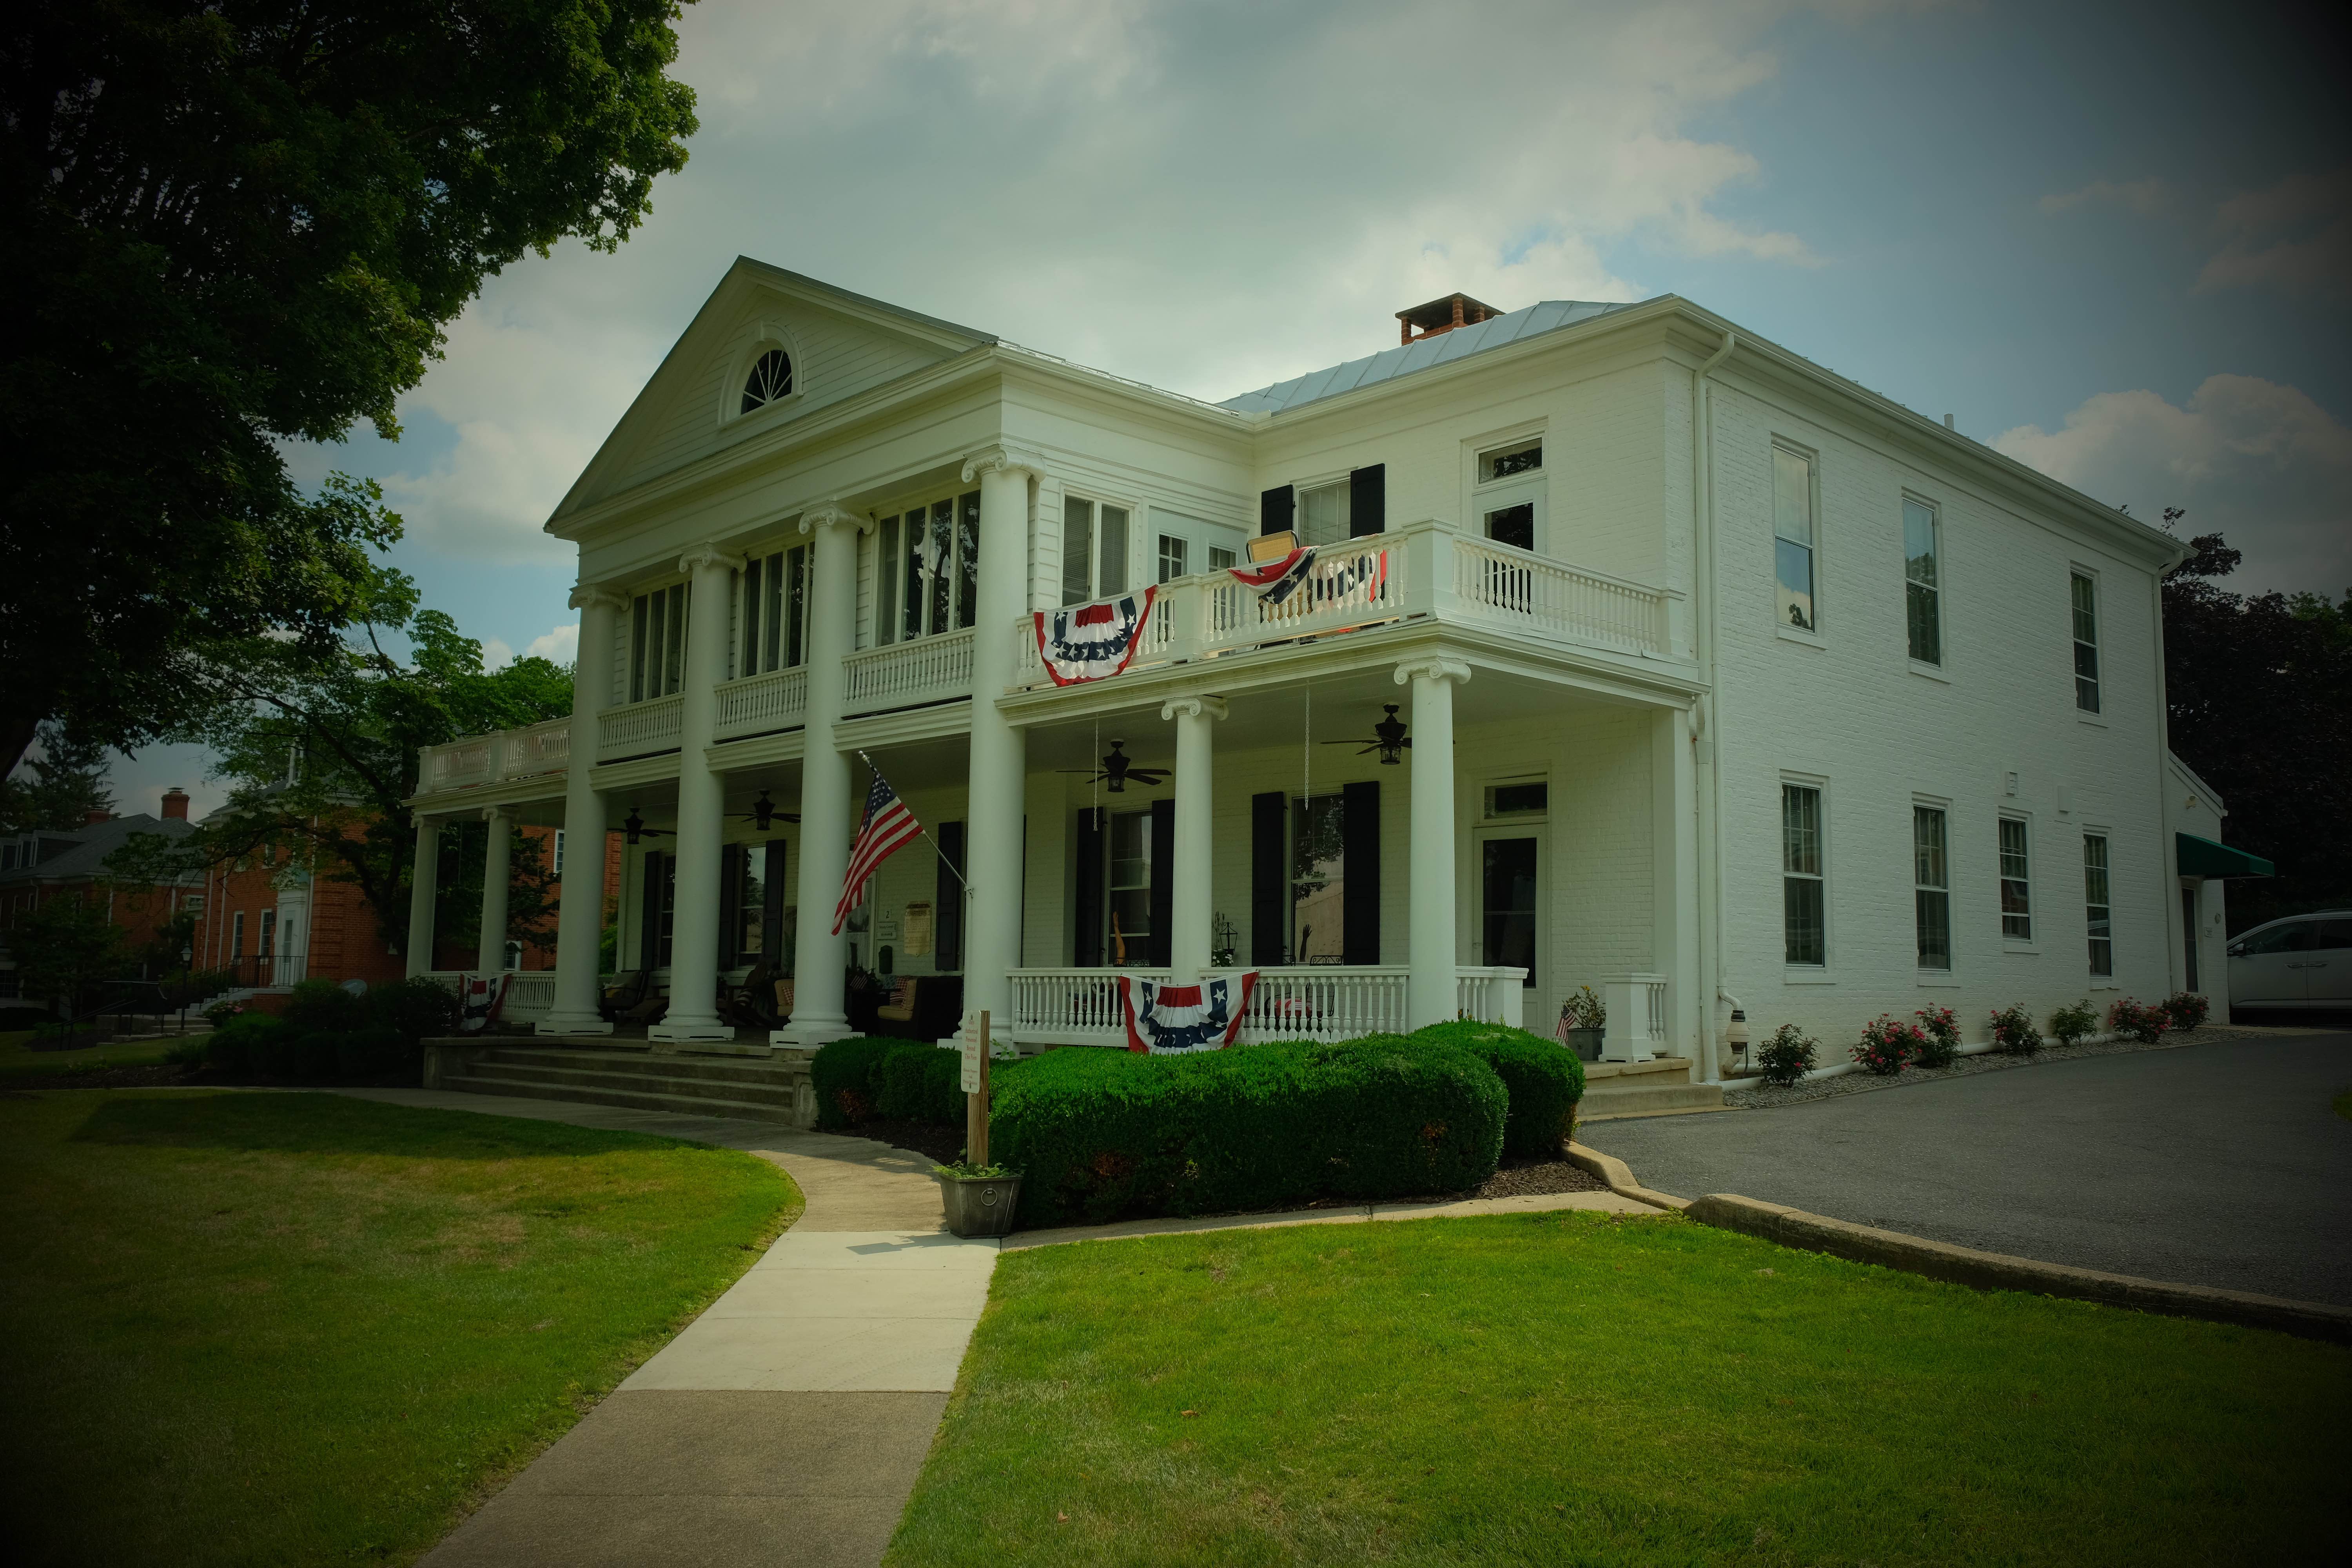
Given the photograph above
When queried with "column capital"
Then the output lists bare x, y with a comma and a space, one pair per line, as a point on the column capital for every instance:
594, 595
707, 555
1452, 669
1005, 457
495, 813
1196, 707
833, 514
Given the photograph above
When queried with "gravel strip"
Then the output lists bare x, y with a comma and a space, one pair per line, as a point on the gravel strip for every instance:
1764, 1097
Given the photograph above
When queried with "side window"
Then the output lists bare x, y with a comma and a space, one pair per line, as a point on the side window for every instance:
2333, 934
1171, 557
1931, 888
1323, 513
1509, 495
1922, 584
1221, 560
2016, 881
1803, 906
1094, 549
1793, 539
2085, 594
2098, 912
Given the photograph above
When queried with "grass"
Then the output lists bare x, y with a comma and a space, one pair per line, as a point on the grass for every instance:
19, 1062
303, 1327
2343, 1105
1575, 1389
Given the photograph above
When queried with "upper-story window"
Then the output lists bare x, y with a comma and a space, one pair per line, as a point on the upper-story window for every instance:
928, 576
1794, 538
1509, 494
1922, 584
1323, 512
2086, 598
657, 643
1173, 549
1094, 549
771, 378
775, 611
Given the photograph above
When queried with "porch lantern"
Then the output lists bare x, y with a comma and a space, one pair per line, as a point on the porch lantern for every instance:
633, 825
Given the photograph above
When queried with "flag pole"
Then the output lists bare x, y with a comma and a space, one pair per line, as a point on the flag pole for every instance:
919, 828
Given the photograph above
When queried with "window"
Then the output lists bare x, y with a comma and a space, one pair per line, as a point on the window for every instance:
750, 912
1318, 880
2086, 594
1221, 559
1510, 493
237, 934
771, 378
1804, 923
1507, 462
1931, 885
1792, 530
2096, 905
1923, 595
555, 855
657, 643
928, 580
1323, 513
775, 611
1505, 800
1171, 557
1094, 551
1130, 886
2016, 882
268, 933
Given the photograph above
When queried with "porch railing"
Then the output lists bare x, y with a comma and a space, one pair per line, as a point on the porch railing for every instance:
531, 992
902, 674
776, 700
1502, 583
637, 729
541, 748
1316, 1002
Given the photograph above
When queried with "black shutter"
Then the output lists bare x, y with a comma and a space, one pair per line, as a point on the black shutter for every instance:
948, 916
1368, 504
1268, 879
1359, 844
1274, 510
1163, 883
771, 911
730, 902
1087, 951
649, 911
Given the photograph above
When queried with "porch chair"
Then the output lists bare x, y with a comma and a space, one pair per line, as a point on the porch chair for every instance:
1272, 546
627, 991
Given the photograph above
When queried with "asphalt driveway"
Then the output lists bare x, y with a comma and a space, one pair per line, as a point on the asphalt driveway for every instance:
2220, 1164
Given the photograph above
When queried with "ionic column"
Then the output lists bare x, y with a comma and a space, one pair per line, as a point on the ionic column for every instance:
497, 871
694, 923
1000, 752
820, 955
1430, 924
425, 882
580, 916
1191, 895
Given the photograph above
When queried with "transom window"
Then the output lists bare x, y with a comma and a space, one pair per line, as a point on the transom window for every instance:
2085, 594
1794, 538
1804, 916
775, 611
771, 378
1931, 884
1094, 549
1922, 589
657, 643
928, 576
2096, 908
2016, 881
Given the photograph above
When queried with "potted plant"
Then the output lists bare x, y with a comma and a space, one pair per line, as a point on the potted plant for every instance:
981, 1199
1582, 1019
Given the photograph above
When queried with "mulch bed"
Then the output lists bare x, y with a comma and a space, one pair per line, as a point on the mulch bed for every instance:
1755, 1094
1530, 1178
941, 1145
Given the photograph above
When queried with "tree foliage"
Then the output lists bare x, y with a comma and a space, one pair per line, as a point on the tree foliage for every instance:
231, 225
65, 948
57, 789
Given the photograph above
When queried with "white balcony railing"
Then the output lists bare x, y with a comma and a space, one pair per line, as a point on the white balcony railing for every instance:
541, 748
776, 700
1316, 1002
902, 674
1503, 583
639, 729
531, 992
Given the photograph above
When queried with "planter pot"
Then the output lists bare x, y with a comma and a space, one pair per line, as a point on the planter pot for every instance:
1586, 1044
980, 1205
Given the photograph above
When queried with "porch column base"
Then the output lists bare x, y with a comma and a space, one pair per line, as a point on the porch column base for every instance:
572, 1024
691, 1032
808, 1034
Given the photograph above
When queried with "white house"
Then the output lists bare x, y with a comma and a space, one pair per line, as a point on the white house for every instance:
1727, 683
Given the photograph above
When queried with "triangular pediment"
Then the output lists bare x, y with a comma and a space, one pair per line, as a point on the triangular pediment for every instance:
837, 343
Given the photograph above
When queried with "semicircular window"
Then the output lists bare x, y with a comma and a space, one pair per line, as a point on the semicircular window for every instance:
769, 379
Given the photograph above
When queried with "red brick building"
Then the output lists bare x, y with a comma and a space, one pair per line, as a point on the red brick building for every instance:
37, 867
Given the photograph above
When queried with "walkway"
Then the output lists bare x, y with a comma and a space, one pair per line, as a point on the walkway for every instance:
2216, 1164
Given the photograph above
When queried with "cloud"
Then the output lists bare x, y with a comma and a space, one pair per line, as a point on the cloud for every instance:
2294, 236
560, 646
496, 653
2258, 461
2147, 197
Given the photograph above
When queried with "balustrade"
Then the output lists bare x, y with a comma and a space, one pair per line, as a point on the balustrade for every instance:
776, 700
639, 728
902, 674
1314, 1002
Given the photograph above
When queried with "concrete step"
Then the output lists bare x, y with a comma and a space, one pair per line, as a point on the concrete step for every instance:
560, 1081
1646, 1094
771, 1073
630, 1100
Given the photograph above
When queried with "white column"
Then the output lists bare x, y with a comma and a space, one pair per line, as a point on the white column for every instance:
1190, 910
1673, 860
580, 917
1430, 925
425, 880
497, 872
998, 752
693, 1013
819, 956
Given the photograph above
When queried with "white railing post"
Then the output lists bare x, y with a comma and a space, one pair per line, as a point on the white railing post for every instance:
1636, 1008
1183, 603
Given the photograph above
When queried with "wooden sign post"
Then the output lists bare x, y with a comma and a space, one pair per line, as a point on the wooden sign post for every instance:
975, 1090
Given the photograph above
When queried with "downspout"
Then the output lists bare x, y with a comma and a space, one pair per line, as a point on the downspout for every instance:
1709, 799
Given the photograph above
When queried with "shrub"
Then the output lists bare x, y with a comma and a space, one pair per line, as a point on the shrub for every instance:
2144, 1023
2013, 1032
220, 1013
188, 1053
1939, 1037
415, 1009
322, 1006
917, 1081
1542, 1080
2070, 1024
248, 1045
1886, 1044
1099, 1134
375, 1051
1788, 1056
843, 1075
2187, 1009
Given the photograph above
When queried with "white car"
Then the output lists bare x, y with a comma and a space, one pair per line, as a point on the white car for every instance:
2304, 962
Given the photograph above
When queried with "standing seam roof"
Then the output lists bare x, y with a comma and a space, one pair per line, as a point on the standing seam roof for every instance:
1404, 360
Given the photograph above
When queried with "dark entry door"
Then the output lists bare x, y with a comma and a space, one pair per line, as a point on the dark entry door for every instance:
1507, 904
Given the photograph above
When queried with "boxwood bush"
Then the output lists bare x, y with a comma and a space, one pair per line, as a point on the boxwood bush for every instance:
1102, 1134
898, 1080
1542, 1077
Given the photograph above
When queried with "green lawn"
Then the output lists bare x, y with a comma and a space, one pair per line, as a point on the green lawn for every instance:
1573, 1389
300, 1328
19, 1062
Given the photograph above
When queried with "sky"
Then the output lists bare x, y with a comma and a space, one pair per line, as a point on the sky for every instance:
2114, 242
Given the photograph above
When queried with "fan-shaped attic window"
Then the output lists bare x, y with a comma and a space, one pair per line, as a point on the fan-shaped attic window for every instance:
769, 379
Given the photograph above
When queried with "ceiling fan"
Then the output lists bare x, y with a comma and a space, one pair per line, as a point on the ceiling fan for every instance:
634, 827
764, 813
1118, 768
1388, 737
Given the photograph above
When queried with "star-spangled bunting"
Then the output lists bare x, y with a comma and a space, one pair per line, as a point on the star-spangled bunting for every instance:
1175, 1020
1088, 642
1275, 581
886, 828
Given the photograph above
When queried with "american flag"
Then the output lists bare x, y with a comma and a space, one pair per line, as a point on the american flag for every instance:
887, 827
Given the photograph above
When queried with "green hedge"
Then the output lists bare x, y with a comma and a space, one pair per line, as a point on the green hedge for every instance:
1542, 1077
899, 1080
1101, 1134
328, 1035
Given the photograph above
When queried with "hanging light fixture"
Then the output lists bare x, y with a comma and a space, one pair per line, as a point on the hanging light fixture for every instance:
633, 825
1388, 737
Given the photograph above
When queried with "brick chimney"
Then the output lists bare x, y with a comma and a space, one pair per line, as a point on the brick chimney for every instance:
1442, 316
95, 815
176, 804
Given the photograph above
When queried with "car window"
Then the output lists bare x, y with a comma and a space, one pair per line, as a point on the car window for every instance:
2334, 934
2293, 937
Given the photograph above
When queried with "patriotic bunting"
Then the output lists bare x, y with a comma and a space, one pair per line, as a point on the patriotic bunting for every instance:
480, 995
1089, 642
1175, 1020
1298, 573
1275, 580
886, 828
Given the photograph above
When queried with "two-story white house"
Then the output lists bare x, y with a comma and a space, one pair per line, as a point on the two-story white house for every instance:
1724, 682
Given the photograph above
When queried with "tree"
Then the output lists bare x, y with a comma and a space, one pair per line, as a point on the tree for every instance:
64, 948
228, 225
57, 789
2258, 693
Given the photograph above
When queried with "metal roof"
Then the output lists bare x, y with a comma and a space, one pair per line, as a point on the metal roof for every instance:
1548, 316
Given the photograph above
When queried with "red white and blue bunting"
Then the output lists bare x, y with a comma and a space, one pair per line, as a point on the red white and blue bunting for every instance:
481, 996
1176, 1020
1089, 642
1326, 584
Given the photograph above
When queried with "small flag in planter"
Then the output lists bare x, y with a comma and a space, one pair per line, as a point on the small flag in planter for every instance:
1172, 1020
1088, 642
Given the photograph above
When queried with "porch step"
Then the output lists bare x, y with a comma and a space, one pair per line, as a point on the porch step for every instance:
1657, 1088
774, 1091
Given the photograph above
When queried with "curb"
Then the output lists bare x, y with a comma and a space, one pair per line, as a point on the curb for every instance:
1619, 1178
1999, 1271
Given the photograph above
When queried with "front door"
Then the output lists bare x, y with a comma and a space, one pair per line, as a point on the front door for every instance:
1510, 906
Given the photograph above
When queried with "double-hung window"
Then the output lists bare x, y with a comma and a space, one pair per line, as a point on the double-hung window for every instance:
1803, 910
1922, 583
927, 577
2016, 881
1793, 539
1172, 551
2084, 595
775, 611
657, 643
1323, 513
2097, 911
1094, 549
1509, 497
1931, 888
1318, 878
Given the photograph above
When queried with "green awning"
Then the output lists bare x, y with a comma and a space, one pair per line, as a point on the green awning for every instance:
2203, 858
